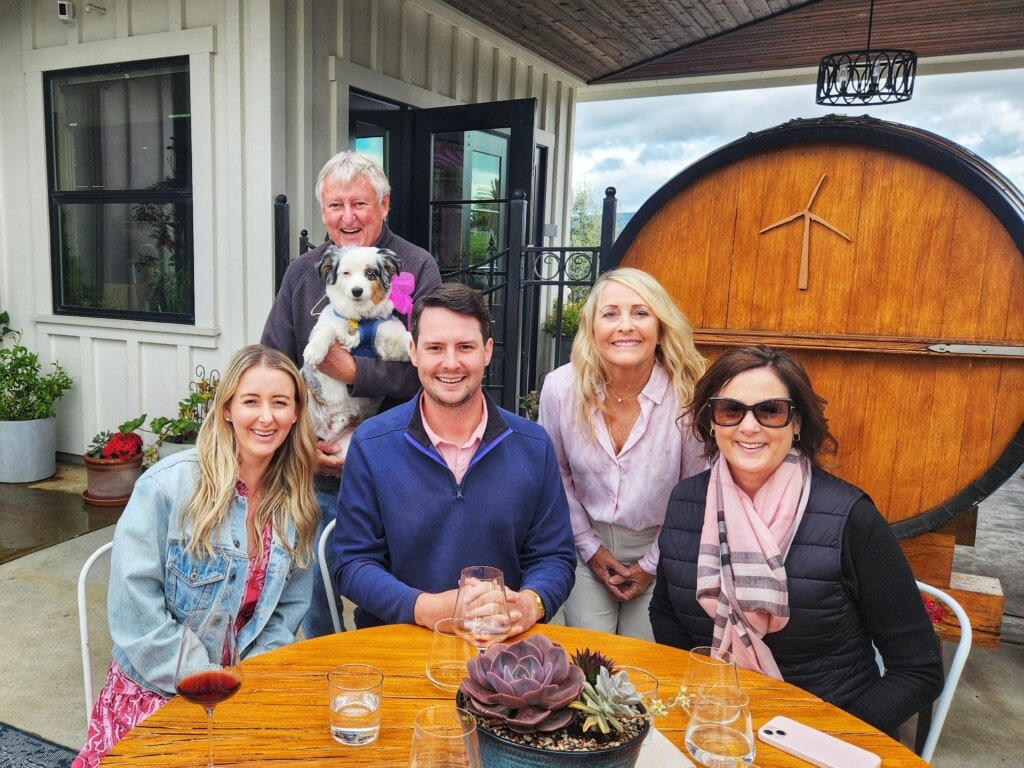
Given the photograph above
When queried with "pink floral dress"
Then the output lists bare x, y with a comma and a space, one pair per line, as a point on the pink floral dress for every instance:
123, 703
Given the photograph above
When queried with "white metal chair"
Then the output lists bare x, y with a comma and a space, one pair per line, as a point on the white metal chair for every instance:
83, 626
325, 575
956, 667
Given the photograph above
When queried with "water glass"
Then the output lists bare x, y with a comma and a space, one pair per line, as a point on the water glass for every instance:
449, 654
444, 737
720, 728
354, 693
706, 666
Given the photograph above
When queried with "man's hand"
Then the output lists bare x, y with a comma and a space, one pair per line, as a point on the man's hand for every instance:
339, 364
328, 460
431, 607
522, 609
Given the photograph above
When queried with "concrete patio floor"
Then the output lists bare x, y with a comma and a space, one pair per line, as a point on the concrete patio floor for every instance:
39, 645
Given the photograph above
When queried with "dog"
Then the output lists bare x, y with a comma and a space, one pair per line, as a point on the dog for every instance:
360, 315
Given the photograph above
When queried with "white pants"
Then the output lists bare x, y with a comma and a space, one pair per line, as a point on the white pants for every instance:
591, 607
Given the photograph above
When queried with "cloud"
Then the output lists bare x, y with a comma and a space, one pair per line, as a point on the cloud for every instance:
637, 145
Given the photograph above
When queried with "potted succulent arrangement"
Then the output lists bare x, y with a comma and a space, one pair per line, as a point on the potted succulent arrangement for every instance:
28, 410
113, 462
535, 706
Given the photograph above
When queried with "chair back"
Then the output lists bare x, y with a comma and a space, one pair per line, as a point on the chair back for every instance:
83, 626
956, 667
325, 574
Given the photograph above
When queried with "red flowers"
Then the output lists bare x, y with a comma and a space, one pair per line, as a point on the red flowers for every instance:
934, 610
122, 446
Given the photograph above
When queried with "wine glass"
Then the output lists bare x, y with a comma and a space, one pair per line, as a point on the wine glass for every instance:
706, 666
444, 737
481, 611
720, 728
208, 670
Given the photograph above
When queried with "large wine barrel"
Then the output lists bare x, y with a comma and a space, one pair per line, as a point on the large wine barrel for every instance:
891, 261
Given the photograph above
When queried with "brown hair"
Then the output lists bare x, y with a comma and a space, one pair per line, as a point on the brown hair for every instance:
815, 439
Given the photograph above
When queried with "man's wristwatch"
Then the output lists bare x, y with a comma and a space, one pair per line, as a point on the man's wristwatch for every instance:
540, 603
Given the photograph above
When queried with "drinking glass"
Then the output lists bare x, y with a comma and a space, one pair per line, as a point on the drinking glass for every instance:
481, 611
720, 728
208, 671
646, 686
706, 666
354, 693
444, 737
446, 664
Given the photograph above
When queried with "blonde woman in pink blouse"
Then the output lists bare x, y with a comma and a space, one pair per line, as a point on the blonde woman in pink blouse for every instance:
614, 414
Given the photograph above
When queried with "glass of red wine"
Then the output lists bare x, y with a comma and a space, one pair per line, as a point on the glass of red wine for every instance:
208, 669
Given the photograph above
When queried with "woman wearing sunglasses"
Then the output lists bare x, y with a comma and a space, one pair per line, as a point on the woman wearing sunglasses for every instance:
615, 417
788, 567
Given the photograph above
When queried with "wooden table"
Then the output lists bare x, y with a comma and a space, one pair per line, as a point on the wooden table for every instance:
280, 716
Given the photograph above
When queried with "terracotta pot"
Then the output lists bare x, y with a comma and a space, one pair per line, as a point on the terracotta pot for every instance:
109, 482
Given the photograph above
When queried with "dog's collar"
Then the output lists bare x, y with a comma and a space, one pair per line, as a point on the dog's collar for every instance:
353, 323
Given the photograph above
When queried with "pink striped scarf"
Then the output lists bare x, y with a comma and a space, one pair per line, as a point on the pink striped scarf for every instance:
741, 572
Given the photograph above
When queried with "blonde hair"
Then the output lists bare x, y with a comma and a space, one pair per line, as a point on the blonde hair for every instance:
675, 350
289, 477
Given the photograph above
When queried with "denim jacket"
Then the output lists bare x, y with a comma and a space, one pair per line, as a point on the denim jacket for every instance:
154, 583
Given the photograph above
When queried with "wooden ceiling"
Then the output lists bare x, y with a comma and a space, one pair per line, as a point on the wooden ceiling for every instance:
621, 41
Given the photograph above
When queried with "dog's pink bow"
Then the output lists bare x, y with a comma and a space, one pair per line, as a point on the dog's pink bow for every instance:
402, 286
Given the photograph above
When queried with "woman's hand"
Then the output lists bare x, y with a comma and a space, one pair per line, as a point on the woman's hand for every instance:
635, 584
611, 573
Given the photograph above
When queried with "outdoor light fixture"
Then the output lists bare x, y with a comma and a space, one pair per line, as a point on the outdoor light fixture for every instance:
883, 76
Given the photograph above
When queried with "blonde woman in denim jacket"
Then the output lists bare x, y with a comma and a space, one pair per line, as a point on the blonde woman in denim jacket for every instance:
229, 525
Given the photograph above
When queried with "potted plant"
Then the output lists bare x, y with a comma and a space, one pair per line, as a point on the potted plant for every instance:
536, 707
28, 410
181, 431
113, 462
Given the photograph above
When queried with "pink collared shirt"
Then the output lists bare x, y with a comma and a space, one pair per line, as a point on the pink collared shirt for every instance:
457, 457
629, 488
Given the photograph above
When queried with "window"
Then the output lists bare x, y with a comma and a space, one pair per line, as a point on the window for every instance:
119, 145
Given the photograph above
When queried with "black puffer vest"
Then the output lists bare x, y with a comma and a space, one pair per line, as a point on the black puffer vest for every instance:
823, 648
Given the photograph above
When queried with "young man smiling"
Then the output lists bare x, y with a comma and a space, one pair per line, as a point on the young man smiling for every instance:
450, 480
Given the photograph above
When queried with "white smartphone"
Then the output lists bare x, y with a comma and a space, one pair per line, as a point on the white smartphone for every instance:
815, 746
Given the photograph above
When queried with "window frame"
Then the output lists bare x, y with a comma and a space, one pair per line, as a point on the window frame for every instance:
180, 198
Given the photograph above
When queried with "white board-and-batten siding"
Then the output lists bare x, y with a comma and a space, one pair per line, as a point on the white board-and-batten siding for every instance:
269, 82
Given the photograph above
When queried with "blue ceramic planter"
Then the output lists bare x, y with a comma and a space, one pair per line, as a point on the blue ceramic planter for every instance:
496, 752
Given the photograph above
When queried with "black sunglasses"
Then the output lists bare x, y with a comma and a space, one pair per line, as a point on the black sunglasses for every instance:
774, 413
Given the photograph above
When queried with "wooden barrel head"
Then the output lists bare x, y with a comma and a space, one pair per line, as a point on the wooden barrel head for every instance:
890, 261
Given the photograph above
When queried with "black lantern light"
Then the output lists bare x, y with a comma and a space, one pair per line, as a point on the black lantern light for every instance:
883, 76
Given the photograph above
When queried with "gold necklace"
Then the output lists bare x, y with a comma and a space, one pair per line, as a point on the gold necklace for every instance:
624, 398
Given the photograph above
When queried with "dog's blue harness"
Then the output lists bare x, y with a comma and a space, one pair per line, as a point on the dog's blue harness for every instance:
367, 335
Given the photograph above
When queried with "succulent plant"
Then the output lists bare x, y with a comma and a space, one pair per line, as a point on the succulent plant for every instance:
591, 662
606, 700
527, 685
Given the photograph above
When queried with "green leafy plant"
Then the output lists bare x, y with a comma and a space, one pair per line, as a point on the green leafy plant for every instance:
184, 428
25, 391
124, 444
571, 311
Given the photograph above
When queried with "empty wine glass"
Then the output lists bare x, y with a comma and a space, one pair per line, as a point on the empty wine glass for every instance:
720, 728
208, 670
481, 610
444, 737
706, 666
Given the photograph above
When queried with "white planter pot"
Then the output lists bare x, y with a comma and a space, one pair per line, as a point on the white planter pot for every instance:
28, 450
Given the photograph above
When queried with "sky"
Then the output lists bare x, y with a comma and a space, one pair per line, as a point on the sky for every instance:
636, 145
